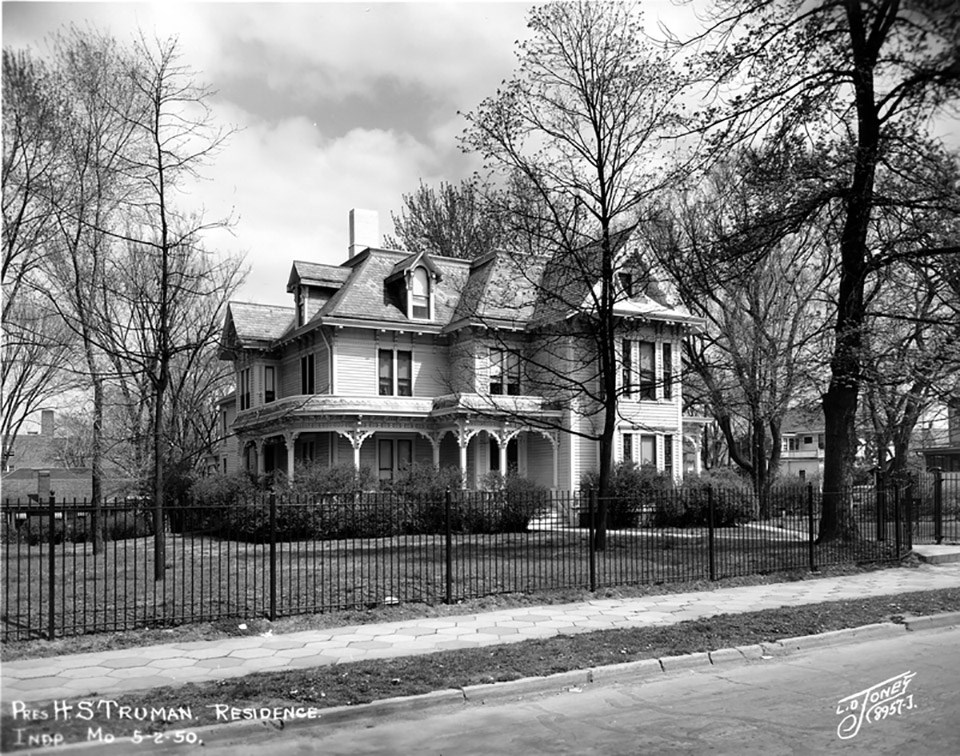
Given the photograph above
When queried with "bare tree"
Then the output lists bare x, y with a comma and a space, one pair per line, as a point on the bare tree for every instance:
576, 127
765, 309
453, 221
852, 88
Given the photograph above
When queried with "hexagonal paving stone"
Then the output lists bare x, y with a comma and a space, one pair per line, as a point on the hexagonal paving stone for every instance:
172, 663
37, 683
369, 645
295, 653
26, 673
89, 685
280, 644
207, 653
497, 630
124, 662
252, 653
221, 663
84, 672
128, 673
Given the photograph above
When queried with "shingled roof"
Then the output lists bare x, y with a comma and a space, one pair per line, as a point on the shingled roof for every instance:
317, 274
254, 326
364, 297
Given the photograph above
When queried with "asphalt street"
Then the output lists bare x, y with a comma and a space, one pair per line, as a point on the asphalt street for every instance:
787, 705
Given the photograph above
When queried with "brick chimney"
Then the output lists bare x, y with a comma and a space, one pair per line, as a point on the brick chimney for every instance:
46, 423
43, 485
364, 230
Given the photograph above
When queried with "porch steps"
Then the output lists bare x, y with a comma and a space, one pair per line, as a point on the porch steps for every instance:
937, 554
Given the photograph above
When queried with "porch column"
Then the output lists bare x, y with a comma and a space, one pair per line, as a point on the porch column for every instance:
290, 440
502, 441
556, 463
258, 444
435, 439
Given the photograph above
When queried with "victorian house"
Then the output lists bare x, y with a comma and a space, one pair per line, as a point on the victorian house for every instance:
392, 358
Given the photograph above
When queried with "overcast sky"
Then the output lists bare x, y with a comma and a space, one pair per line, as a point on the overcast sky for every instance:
338, 105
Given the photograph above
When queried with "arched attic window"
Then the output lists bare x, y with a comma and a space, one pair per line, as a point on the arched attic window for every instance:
420, 294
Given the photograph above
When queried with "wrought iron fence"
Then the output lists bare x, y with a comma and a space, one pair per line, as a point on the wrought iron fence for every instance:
70, 568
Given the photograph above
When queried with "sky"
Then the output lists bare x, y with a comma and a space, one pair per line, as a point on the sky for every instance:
336, 106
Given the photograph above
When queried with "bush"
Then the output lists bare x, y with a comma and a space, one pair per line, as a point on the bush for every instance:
210, 500
507, 506
316, 478
117, 526
734, 501
634, 491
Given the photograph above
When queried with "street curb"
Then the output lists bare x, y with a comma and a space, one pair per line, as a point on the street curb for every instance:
932, 621
786, 646
573, 681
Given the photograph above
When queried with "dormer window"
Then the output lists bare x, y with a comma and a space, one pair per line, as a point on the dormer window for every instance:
420, 295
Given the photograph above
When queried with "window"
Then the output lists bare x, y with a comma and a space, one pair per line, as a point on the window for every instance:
648, 380
627, 367
243, 388
668, 455
667, 371
301, 306
420, 295
269, 383
224, 427
307, 375
628, 447
393, 456
807, 440
306, 451
395, 372
504, 372
648, 450
626, 284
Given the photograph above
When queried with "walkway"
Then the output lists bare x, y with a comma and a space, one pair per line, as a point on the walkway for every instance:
110, 672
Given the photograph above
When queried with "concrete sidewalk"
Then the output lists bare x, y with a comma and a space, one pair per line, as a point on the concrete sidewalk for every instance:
112, 672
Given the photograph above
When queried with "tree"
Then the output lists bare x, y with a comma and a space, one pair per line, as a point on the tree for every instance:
453, 221
36, 346
576, 128
764, 306
857, 84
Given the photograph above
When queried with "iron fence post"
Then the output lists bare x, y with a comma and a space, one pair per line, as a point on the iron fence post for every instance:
591, 511
880, 504
711, 546
448, 547
938, 505
811, 540
52, 566
896, 516
273, 557
908, 520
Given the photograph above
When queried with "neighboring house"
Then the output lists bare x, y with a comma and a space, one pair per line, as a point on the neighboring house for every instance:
941, 447
31, 454
802, 444
392, 358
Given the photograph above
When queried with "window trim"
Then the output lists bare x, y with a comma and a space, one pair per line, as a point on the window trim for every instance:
269, 384
667, 369
243, 389
425, 300
504, 362
647, 384
398, 386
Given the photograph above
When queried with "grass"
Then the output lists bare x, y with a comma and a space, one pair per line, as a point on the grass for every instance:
207, 579
362, 682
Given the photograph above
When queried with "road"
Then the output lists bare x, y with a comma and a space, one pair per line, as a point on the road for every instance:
780, 706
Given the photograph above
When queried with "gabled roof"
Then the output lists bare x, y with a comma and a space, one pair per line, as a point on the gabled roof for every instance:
412, 261
254, 326
316, 274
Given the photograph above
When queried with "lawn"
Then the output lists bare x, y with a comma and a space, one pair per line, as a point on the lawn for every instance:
208, 578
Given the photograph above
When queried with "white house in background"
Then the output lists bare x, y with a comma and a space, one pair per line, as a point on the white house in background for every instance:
391, 358
802, 442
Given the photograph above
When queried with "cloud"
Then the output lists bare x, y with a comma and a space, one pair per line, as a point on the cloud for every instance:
291, 188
